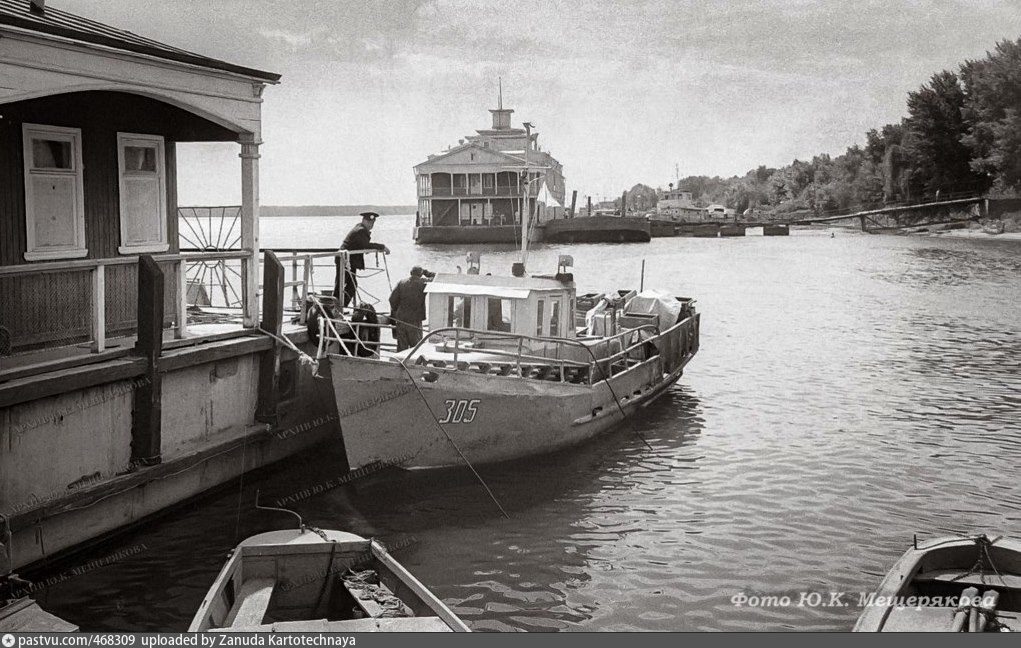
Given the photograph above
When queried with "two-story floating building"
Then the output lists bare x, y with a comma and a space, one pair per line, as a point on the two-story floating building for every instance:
476, 191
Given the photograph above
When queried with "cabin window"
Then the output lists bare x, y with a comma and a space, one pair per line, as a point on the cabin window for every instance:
554, 318
143, 193
499, 316
488, 181
475, 180
538, 317
459, 311
54, 193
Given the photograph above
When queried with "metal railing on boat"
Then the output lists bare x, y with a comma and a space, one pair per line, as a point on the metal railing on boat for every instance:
607, 366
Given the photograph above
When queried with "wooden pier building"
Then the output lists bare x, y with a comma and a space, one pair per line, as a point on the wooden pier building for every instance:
113, 404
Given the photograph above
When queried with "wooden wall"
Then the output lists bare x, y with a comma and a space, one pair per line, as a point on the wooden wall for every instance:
54, 308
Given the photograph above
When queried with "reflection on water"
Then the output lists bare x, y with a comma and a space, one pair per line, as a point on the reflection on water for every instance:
849, 392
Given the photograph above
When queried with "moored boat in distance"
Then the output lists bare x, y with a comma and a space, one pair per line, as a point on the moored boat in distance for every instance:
503, 372
950, 585
311, 580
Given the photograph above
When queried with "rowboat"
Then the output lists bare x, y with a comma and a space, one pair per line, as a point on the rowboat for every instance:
950, 585
505, 371
312, 580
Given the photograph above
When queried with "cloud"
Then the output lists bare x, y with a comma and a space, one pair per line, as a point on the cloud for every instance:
620, 91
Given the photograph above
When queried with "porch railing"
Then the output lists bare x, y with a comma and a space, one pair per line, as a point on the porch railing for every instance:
96, 300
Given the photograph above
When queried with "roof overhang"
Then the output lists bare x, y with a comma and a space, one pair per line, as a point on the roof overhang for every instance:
63, 24
34, 65
503, 292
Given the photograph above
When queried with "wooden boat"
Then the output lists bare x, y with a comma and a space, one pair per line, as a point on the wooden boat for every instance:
950, 585
308, 580
503, 372
24, 615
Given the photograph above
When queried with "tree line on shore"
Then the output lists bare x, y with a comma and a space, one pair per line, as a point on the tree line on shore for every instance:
962, 134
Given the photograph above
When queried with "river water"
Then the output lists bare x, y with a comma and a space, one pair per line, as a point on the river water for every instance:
850, 391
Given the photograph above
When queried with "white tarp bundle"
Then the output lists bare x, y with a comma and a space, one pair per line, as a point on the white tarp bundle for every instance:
653, 302
546, 198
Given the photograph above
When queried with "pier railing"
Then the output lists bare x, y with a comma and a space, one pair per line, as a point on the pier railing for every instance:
303, 263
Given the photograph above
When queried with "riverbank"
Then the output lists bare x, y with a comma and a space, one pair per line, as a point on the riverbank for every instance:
1005, 228
978, 234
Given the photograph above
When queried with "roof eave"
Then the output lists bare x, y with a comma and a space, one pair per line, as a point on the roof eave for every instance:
113, 43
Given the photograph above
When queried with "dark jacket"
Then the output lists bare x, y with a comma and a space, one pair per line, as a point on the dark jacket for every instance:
359, 239
407, 301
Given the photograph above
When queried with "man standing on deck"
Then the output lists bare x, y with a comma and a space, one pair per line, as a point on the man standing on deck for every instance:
357, 239
407, 308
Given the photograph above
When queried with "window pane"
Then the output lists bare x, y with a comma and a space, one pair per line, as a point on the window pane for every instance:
554, 318
140, 158
538, 318
499, 316
51, 154
459, 311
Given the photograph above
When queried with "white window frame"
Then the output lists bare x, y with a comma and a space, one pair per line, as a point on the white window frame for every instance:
163, 244
33, 250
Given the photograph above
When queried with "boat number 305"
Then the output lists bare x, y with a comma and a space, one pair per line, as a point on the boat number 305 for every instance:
461, 411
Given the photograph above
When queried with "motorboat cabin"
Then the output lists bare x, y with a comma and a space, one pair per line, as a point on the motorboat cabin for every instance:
530, 306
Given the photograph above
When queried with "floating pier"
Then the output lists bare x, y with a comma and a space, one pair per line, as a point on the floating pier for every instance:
707, 230
598, 229
776, 230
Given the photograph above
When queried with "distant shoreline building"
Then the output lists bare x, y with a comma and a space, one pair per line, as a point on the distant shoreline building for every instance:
677, 205
475, 192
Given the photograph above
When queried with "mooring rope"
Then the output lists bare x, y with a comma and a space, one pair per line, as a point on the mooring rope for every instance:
436, 422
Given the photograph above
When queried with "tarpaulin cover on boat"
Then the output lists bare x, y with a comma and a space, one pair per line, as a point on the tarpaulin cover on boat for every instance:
653, 302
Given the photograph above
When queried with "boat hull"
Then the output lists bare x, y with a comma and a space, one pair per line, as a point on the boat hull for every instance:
423, 417
451, 234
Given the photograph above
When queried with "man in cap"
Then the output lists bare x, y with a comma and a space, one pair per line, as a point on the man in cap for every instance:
407, 307
357, 239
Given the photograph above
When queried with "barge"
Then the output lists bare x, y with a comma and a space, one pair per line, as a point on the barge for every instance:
598, 229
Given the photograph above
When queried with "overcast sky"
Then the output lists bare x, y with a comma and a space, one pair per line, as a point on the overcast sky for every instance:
619, 91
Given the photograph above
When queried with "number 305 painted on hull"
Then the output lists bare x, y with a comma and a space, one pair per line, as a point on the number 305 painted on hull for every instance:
461, 411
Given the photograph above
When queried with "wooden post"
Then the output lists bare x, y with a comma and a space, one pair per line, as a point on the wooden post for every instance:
574, 201
306, 278
147, 411
294, 277
272, 321
250, 225
98, 319
623, 204
181, 330
590, 205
